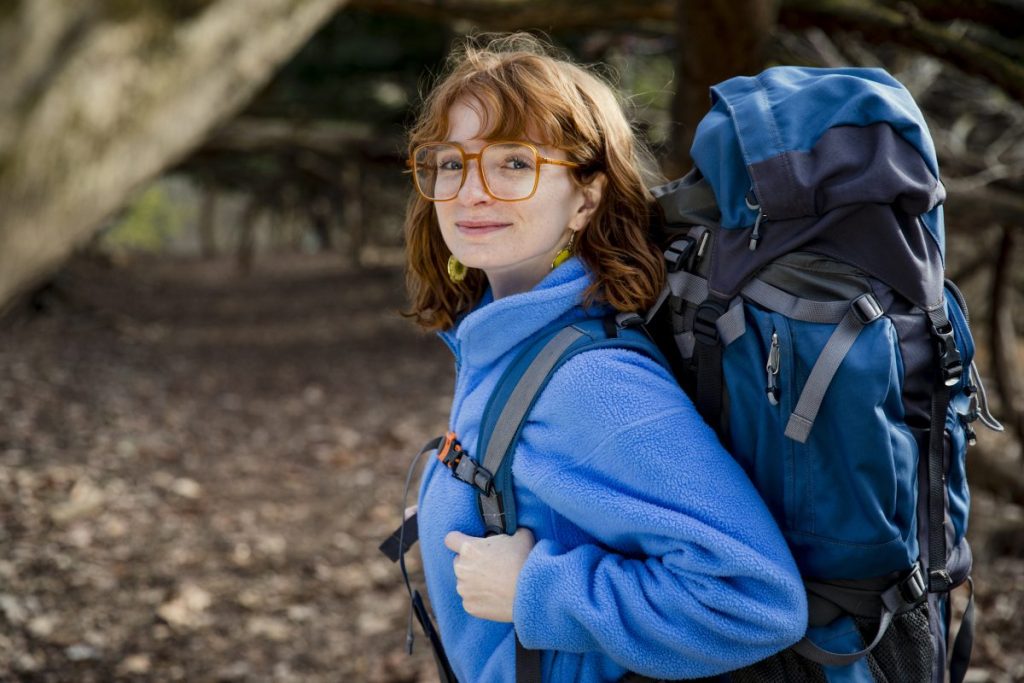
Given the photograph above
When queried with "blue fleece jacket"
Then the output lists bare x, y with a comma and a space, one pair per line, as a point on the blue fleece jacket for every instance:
654, 552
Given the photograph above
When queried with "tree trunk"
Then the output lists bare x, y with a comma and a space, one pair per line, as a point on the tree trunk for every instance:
207, 222
1005, 363
93, 108
716, 40
351, 180
246, 250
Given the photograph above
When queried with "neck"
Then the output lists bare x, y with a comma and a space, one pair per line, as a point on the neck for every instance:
507, 284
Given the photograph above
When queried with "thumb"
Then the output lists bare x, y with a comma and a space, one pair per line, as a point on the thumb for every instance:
454, 541
525, 536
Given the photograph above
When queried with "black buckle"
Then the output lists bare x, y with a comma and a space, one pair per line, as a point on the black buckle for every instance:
469, 472
950, 362
679, 254
705, 329
463, 467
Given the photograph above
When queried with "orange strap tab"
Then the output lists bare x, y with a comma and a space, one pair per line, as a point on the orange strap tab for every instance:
451, 443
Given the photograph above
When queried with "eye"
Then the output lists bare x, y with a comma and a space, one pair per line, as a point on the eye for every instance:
451, 163
518, 162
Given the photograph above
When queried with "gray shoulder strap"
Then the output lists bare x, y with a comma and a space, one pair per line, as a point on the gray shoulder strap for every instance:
514, 412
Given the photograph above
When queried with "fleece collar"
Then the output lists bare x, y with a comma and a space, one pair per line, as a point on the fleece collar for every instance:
493, 328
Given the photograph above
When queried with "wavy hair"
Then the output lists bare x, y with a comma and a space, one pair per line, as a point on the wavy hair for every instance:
522, 85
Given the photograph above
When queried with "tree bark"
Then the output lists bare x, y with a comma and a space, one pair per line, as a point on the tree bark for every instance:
878, 24
1003, 339
716, 40
874, 21
207, 223
99, 107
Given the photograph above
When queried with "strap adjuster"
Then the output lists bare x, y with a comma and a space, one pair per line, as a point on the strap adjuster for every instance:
912, 588
705, 323
866, 308
463, 467
950, 362
679, 254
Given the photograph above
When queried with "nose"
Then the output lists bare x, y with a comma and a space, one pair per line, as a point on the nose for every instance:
472, 191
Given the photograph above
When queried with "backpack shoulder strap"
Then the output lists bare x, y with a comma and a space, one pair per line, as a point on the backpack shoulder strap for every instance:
505, 415
518, 390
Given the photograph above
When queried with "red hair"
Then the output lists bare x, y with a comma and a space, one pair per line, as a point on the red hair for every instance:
521, 86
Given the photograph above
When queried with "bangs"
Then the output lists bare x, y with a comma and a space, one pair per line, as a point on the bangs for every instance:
512, 103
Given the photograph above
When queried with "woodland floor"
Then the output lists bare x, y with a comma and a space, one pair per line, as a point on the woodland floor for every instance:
196, 469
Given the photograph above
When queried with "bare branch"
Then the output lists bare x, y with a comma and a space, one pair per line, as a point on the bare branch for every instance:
879, 24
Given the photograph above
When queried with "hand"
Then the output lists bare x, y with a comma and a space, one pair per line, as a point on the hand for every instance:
487, 569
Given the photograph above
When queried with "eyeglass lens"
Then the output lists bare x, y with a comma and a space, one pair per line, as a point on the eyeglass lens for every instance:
509, 170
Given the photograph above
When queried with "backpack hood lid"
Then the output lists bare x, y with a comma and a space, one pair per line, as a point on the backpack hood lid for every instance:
801, 136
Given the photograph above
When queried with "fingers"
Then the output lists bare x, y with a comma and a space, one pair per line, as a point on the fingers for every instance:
410, 511
456, 540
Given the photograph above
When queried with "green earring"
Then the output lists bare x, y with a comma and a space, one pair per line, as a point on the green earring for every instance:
565, 253
456, 270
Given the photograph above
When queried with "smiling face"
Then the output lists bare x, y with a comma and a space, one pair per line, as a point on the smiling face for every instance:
512, 242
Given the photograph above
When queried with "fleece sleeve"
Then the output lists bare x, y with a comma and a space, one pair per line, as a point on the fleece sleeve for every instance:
664, 556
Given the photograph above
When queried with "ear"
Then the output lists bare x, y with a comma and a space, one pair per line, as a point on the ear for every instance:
589, 200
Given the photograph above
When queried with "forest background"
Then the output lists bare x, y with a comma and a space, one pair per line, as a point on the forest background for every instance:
208, 396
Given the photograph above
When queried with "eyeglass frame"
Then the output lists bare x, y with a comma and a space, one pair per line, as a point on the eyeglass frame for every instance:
467, 157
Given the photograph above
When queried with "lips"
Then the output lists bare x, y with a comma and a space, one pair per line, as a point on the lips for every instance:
480, 227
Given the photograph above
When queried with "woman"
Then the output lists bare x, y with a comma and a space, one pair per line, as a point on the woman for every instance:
643, 547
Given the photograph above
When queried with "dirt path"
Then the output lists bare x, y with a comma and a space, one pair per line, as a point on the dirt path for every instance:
196, 469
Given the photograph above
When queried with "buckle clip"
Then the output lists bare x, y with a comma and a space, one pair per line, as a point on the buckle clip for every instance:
463, 467
679, 254
705, 327
912, 588
950, 362
450, 453
866, 308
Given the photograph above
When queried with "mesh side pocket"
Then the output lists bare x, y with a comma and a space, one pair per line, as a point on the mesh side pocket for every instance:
785, 667
905, 653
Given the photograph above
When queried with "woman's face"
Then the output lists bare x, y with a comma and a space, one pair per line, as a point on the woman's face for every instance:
512, 242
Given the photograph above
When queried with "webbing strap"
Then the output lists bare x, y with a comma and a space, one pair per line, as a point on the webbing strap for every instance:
685, 343
519, 402
710, 386
505, 429
809, 650
938, 577
893, 602
732, 325
527, 664
444, 669
839, 344
512, 416
805, 310
688, 287
964, 643
401, 539
395, 547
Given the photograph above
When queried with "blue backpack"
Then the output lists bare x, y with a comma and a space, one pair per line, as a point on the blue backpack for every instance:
807, 316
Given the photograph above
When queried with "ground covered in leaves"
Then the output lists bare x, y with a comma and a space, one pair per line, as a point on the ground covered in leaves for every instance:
196, 469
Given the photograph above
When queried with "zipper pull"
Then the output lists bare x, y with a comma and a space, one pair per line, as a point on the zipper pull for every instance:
772, 370
753, 205
972, 438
